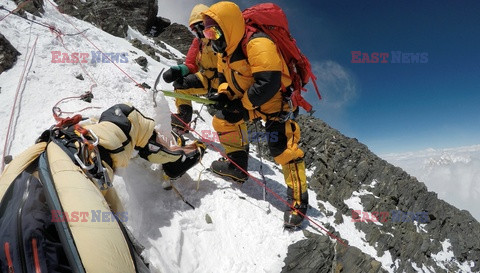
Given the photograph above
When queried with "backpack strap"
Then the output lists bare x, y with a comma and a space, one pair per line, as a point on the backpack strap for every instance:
311, 75
249, 31
252, 33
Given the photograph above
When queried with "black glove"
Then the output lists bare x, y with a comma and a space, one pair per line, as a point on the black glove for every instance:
220, 100
174, 73
236, 108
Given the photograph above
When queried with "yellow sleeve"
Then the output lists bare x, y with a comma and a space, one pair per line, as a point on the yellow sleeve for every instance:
263, 55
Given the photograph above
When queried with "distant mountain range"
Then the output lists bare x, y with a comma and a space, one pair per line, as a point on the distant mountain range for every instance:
453, 173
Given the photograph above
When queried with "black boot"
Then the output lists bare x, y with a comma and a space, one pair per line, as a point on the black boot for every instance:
183, 117
184, 163
292, 218
225, 168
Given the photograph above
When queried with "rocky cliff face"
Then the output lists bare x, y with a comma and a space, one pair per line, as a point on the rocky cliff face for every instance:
8, 54
34, 7
343, 167
116, 16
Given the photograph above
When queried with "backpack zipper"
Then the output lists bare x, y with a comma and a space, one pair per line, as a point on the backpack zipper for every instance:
19, 228
35, 256
9, 258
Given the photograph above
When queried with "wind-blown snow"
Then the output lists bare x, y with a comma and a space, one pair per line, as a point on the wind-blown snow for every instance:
452, 173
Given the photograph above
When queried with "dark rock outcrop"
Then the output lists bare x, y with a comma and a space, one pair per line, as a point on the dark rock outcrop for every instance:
150, 51
318, 246
142, 61
8, 54
352, 259
343, 166
177, 36
34, 7
318, 254
116, 16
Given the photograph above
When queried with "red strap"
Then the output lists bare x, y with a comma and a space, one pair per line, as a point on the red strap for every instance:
249, 31
298, 100
65, 122
314, 81
80, 129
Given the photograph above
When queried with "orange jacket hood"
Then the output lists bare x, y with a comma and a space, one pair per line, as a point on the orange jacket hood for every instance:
230, 19
196, 14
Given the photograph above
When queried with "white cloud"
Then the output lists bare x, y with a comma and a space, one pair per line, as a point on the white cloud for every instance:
338, 89
337, 86
452, 173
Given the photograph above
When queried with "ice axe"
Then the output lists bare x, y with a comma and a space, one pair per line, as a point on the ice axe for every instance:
155, 91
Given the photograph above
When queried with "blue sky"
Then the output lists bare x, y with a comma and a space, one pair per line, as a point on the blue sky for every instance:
391, 107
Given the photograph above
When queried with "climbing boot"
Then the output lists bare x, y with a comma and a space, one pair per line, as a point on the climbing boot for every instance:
225, 168
185, 162
183, 117
293, 219
167, 182
297, 195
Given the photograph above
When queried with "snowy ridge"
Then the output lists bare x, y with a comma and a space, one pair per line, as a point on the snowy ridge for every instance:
134, 34
357, 238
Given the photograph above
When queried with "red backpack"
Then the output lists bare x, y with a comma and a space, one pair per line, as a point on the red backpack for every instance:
270, 19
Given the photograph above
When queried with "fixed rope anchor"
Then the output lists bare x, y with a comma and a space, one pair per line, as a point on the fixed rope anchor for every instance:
87, 97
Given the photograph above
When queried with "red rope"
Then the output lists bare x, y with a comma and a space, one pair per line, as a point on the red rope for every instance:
92, 80
105, 55
18, 7
27, 60
59, 35
264, 186
208, 141
55, 108
57, 112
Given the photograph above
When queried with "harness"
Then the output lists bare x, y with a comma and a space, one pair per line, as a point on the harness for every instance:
203, 69
209, 80
81, 145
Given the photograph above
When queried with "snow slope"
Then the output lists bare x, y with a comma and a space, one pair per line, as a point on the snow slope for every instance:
246, 232
453, 173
